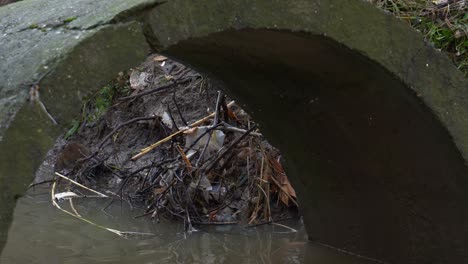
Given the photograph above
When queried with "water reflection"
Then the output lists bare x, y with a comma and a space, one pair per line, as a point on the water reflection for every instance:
42, 234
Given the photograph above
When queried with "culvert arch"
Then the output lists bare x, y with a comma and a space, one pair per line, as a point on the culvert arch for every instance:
371, 120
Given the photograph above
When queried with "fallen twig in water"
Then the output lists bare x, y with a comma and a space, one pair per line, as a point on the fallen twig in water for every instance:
284, 226
80, 185
32, 185
117, 232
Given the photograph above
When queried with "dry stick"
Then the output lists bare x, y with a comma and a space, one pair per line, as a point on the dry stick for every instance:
270, 222
172, 118
47, 112
163, 193
268, 201
267, 194
180, 70
284, 226
283, 190
146, 177
34, 96
255, 212
228, 127
233, 144
80, 185
32, 185
225, 108
184, 157
127, 178
178, 110
215, 223
154, 90
168, 138
117, 232
115, 130
190, 226
257, 205
73, 207
122, 125
215, 122
201, 136
152, 165
159, 88
266, 209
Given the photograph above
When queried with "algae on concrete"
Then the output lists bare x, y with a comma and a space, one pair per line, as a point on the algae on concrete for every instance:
82, 54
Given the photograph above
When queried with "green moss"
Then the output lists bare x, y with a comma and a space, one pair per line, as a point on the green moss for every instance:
100, 102
75, 124
33, 26
69, 19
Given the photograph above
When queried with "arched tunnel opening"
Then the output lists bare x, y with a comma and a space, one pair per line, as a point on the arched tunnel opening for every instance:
376, 162
376, 172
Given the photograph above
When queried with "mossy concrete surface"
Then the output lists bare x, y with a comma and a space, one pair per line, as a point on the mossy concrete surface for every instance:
372, 122
377, 157
81, 45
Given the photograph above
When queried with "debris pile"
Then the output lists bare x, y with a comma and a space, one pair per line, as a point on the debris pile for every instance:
165, 139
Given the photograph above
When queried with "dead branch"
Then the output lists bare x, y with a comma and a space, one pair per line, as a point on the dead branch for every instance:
233, 144
114, 131
166, 139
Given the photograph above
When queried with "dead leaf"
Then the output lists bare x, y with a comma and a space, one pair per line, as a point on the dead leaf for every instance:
190, 131
287, 189
232, 115
160, 58
184, 157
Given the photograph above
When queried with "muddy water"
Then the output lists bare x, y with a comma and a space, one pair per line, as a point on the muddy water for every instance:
42, 234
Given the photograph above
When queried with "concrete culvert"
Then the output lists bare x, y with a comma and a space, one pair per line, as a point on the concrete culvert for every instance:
375, 140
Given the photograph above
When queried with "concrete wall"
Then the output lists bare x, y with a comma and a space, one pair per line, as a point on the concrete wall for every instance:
371, 120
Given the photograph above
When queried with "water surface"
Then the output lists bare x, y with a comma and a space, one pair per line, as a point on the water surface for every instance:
42, 234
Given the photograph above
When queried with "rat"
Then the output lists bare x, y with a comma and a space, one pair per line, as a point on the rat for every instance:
70, 156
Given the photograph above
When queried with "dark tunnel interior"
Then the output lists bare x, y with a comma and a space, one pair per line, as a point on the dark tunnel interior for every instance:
375, 171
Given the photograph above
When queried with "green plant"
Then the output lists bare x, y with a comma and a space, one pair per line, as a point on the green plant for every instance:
75, 124
69, 19
444, 24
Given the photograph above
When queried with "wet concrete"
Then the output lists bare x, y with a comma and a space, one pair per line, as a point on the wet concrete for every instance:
375, 172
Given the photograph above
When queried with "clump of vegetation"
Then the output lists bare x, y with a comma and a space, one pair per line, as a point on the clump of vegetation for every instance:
444, 23
98, 104
33, 26
69, 19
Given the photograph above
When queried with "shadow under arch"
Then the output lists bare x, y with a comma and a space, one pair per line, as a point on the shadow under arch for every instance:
376, 172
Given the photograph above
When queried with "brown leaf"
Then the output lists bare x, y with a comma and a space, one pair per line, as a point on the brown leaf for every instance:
232, 115
159, 58
184, 157
287, 189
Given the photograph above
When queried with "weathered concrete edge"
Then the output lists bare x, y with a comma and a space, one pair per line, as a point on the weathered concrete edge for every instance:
356, 24
32, 46
94, 61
